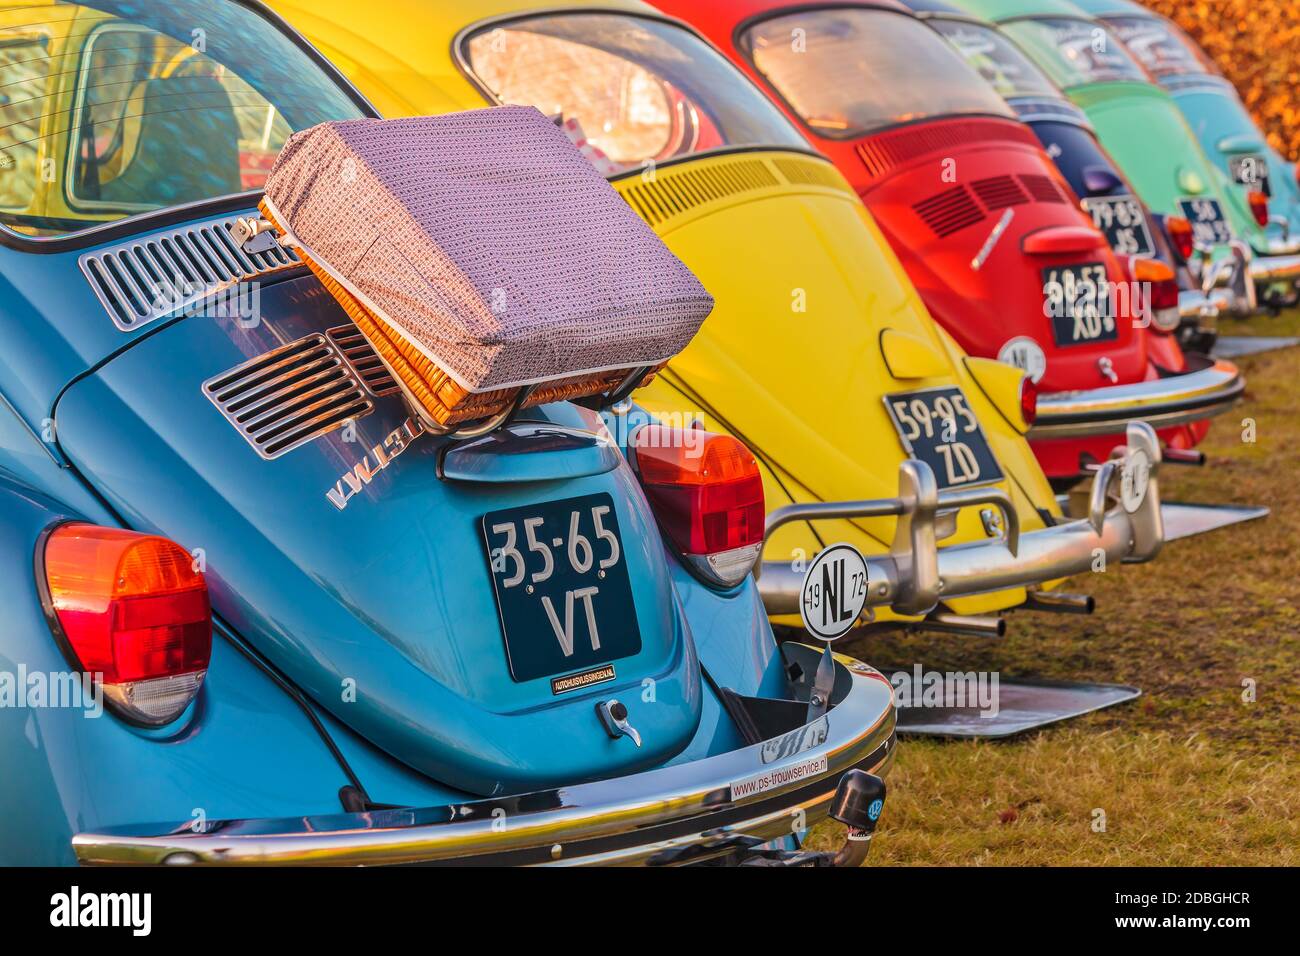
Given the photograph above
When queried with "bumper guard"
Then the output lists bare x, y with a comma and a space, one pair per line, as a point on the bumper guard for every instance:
916, 574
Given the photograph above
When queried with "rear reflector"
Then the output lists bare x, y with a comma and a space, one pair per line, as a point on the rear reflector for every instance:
707, 493
132, 608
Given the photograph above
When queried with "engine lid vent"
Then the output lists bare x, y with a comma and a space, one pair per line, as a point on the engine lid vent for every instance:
949, 211
148, 278
289, 396
999, 192
672, 193
1042, 188
364, 360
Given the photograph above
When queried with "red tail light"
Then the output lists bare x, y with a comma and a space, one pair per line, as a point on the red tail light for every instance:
708, 496
1258, 206
132, 608
1159, 293
1028, 400
1182, 236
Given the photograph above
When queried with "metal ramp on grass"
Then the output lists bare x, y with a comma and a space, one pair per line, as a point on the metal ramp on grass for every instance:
1235, 346
1022, 705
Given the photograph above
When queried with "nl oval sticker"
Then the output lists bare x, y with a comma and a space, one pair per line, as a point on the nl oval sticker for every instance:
834, 592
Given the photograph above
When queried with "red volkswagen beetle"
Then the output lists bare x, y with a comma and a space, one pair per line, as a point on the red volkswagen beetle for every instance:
989, 231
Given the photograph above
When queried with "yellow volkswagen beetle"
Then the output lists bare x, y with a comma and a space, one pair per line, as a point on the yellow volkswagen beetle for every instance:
869, 424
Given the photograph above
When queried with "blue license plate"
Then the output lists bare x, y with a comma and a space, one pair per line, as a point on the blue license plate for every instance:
1209, 225
559, 573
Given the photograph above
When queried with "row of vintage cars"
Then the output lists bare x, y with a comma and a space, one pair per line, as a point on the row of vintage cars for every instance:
965, 256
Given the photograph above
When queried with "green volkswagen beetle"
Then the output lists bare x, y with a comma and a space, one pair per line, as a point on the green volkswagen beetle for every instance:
1142, 127
1216, 114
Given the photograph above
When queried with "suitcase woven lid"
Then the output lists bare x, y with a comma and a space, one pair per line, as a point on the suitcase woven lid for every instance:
487, 241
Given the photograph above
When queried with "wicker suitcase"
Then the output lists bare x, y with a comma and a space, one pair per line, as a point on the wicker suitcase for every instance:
488, 264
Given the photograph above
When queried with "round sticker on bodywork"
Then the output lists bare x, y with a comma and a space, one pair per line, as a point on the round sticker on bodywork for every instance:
834, 592
1024, 353
1133, 480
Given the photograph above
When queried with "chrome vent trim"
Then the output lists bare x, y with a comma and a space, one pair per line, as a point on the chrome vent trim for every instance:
363, 359
146, 279
289, 396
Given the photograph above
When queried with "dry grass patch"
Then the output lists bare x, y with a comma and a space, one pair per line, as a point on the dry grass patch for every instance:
1189, 774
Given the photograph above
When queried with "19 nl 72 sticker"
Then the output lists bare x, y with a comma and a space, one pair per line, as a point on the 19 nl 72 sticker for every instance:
937, 426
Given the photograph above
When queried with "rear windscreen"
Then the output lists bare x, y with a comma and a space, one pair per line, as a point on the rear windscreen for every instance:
1007, 69
628, 90
847, 72
1076, 52
1161, 47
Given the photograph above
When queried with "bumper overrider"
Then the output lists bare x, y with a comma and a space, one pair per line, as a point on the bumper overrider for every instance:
728, 804
1123, 520
1189, 396
1235, 284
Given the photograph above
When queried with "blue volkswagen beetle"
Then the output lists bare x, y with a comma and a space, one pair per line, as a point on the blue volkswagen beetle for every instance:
251, 615
1216, 114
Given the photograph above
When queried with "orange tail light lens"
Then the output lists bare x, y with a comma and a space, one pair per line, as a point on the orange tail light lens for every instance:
1160, 295
132, 608
707, 493
1258, 206
1182, 236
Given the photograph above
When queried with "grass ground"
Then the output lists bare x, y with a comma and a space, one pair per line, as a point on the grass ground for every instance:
1189, 774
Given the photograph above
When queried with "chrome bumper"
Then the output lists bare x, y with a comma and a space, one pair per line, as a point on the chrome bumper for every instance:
1236, 282
1270, 270
1165, 402
1202, 309
676, 814
916, 574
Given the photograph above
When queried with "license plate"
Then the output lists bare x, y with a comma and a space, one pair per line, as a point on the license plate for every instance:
561, 584
1209, 225
937, 426
1078, 301
1250, 171
1125, 225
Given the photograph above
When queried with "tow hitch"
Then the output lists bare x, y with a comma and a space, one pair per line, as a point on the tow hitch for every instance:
859, 799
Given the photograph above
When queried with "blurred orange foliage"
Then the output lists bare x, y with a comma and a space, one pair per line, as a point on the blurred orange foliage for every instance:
1256, 44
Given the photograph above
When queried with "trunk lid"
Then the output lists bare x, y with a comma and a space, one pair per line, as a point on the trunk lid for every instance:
982, 243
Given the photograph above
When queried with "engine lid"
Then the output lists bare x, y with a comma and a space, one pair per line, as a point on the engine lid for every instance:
338, 544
